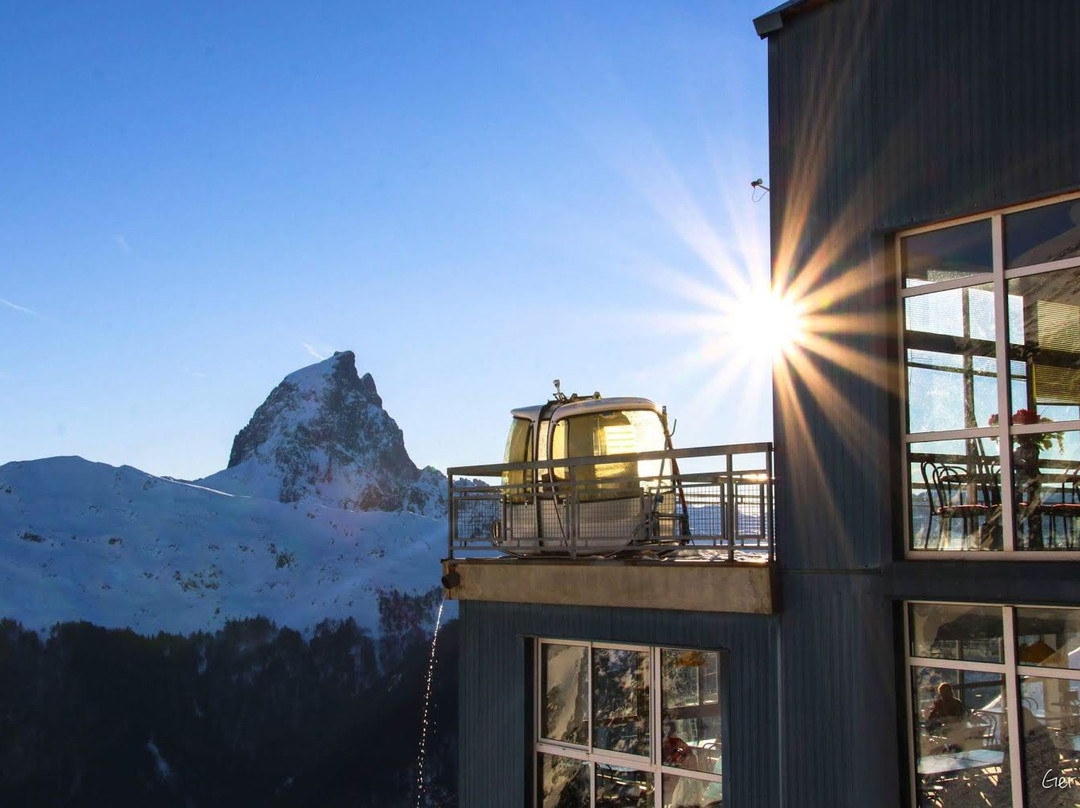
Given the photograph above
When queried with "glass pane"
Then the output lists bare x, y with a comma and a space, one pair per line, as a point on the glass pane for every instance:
611, 433
952, 252
961, 738
542, 440
950, 355
1049, 637
972, 633
518, 450
563, 782
690, 709
1046, 487
558, 449
685, 792
1050, 723
1049, 233
564, 672
621, 700
1044, 346
618, 787
955, 495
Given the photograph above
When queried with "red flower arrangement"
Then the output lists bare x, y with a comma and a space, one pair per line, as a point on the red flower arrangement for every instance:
1043, 440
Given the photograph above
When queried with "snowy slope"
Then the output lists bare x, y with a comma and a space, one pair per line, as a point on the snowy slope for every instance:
119, 547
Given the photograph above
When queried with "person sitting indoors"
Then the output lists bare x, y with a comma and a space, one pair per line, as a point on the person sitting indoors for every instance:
946, 719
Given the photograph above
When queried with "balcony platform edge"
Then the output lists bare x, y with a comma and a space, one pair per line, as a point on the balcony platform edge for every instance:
740, 588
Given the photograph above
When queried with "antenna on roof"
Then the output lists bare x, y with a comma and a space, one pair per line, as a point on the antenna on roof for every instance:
559, 395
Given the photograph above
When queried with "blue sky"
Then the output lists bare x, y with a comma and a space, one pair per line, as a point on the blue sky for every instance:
476, 198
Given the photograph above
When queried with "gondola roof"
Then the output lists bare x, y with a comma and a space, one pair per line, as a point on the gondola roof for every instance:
585, 405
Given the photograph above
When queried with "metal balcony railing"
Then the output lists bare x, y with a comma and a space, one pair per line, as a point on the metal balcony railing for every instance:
620, 505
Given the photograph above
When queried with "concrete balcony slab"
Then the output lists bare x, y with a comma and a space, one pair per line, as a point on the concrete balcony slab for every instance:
705, 586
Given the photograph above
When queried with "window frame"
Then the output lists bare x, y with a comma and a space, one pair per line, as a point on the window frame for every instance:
592, 755
1011, 670
998, 279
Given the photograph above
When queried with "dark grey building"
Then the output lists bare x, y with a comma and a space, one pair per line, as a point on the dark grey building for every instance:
907, 631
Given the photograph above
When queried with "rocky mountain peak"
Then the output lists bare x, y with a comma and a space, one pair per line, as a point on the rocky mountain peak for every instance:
323, 434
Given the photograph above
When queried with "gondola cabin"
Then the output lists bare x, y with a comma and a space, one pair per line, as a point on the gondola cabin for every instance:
590, 504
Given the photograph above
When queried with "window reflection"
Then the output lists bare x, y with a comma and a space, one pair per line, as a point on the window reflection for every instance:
564, 783
684, 792
1049, 638
1050, 726
619, 787
949, 253
1044, 337
690, 710
950, 356
961, 738
955, 495
957, 631
564, 671
1039, 235
1046, 490
622, 684
951, 363
621, 700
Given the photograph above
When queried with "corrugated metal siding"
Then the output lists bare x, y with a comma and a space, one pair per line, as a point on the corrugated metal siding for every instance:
838, 672
885, 114
495, 703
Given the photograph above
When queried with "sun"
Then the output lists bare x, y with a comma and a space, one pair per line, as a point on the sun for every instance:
762, 325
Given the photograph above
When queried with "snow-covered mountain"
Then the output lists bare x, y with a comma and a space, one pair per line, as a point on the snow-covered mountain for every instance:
323, 434
321, 513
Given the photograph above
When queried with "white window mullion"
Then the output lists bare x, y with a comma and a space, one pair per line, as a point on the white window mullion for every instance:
1001, 331
959, 664
908, 668
588, 700
901, 324
1049, 673
654, 743
1038, 269
692, 774
539, 700
941, 286
538, 696
1045, 426
950, 434
1012, 710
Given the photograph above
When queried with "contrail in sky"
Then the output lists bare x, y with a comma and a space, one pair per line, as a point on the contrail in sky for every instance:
312, 351
23, 309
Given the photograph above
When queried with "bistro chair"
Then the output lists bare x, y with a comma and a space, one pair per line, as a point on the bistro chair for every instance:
957, 493
984, 729
1067, 509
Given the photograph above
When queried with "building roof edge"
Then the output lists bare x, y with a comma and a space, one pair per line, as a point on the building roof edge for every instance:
772, 21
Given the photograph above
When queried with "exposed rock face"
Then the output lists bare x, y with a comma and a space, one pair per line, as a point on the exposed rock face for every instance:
323, 434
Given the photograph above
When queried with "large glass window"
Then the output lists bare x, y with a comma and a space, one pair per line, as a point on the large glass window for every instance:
995, 705
627, 726
991, 331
